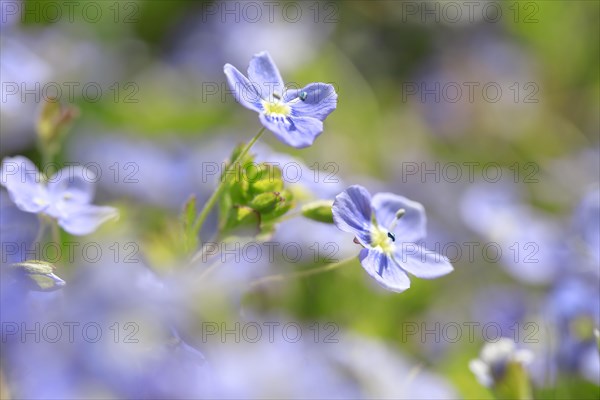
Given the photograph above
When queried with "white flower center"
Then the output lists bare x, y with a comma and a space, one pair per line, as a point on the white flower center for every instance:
276, 108
383, 239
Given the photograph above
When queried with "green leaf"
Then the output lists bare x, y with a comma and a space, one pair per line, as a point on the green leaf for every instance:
319, 210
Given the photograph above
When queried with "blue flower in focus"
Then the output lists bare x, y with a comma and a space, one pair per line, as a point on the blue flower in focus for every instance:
295, 116
388, 226
66, 196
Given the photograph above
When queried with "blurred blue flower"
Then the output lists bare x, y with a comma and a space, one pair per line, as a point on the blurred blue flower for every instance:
295, 116
490, 367
587, 225
574, 309
66, 196
17, 231
136, 346
534, 242
389, 227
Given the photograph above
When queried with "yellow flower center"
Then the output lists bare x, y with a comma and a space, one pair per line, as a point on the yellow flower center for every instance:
380, 238
276, 108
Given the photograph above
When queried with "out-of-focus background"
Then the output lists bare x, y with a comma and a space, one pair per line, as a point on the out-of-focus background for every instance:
485, 112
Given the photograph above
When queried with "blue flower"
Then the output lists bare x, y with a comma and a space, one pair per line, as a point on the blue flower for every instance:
66, 196
295, 116
388, 227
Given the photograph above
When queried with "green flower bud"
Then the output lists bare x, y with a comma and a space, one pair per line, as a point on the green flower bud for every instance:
53, 120
266, 202
268, 184
38, 275
319, 210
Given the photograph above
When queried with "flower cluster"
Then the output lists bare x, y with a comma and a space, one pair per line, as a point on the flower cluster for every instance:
387, 226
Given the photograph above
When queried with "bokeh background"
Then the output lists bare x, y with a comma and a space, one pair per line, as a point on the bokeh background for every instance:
485, 112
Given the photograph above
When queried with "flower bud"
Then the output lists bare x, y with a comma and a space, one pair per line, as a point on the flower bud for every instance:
37, 275
53, 120
319, 210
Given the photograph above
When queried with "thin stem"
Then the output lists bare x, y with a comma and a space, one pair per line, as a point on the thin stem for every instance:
200, 253
41, 229
291, 215
215, 196
301, 274
209, 269
55, 233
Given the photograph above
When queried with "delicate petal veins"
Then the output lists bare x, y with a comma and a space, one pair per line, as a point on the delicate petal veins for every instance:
320, 99
244, 91
383, 270
352, 212
298, 132
411, 227
420, 262
263, 73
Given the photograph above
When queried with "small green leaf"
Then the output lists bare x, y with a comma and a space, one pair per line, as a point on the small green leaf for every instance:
38, 275
319, 210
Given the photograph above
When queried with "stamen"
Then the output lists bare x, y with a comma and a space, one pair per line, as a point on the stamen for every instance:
303, 96
277, 96
399, 214
392, 236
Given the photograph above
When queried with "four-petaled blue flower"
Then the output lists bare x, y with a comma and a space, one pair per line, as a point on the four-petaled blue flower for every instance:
295, 116
389, 227
66, 196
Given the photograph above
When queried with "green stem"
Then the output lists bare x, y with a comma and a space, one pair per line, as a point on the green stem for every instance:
215, 196
55, 233
200, 253
41, 229
301, 274
209, 269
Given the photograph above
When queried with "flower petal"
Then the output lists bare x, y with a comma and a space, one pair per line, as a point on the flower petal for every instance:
243, 90
85, 219
411, 227
73, 185
420, 262
264, 75
23, 182
482, 372
352, 212
384, 270
320, 100
299, 132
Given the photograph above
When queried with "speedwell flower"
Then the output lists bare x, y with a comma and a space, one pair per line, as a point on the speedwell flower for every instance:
295, 116
389, 227
66, 196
